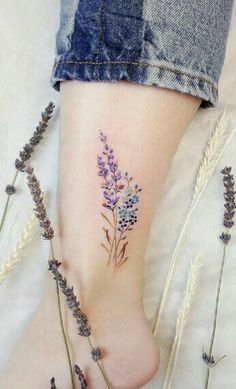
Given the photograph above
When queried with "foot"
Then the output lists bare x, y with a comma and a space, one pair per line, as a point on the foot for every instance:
119, 328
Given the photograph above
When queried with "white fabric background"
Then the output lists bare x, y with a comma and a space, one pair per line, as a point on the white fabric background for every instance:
27, 31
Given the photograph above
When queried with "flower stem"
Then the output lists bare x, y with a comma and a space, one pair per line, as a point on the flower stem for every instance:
63, 327
7, 203
117, 264
215, 316
115, 223
113, 238
100, 366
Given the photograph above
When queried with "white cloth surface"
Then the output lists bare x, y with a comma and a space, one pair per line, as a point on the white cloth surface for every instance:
27, 31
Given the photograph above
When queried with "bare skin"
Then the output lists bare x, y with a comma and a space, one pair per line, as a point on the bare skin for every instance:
144, 125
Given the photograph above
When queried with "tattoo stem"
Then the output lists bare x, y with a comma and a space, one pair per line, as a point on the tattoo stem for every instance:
115, 218
113, 238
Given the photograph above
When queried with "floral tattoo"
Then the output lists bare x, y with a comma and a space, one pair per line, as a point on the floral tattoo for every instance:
119, 198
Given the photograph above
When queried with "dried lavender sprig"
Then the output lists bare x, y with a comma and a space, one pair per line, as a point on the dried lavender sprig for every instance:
44, 222
52, 383
71, 299
25, 154
81, 378
81, 318
40, 209
230, 206
73, 304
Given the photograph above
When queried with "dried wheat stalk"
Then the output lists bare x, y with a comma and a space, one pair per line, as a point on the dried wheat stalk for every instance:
182, 319
219, 138
18, 253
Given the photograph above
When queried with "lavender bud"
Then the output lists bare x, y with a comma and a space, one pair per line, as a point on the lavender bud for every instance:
52, 264
24, 155
49, 234
28, 148
226, 170
84, 331
96, 354
209, 360
225, 237
19, 165
228, 223
10, 189
36, 138
53, 384
81, 378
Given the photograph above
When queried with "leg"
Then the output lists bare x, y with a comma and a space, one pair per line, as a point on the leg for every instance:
144, 126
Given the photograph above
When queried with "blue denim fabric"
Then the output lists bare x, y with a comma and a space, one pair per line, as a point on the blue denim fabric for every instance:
175, 44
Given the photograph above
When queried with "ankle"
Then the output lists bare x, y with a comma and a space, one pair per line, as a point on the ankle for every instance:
93, 281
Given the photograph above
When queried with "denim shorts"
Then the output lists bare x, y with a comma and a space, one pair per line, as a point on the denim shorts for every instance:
175, 44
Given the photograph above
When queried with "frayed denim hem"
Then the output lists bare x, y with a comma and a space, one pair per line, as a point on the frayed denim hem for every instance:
165, 76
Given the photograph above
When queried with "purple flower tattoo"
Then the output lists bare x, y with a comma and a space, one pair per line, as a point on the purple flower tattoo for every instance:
119, 199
